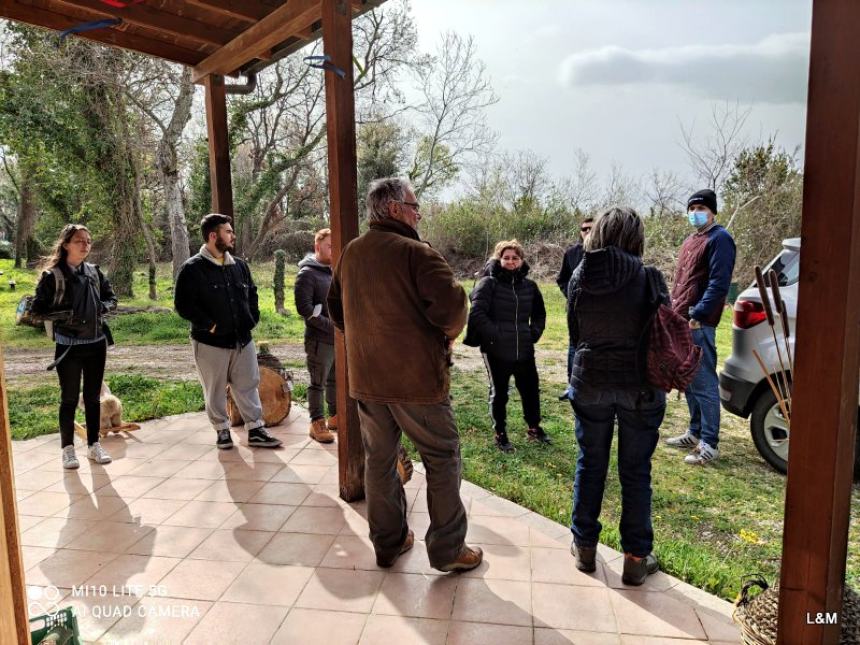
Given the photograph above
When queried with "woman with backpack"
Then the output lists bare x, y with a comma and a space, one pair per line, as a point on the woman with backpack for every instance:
507, 318
75, 295
612, 297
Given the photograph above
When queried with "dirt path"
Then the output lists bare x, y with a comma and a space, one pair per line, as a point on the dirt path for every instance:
26, 367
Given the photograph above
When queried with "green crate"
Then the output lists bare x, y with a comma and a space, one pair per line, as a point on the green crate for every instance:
64, 617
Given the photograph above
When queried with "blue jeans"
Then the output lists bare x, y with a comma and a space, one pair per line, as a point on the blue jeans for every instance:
703, 395
639, 416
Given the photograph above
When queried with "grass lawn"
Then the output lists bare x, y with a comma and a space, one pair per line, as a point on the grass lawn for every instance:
712, 525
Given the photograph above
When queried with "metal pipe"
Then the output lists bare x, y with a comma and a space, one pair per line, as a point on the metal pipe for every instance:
243, 88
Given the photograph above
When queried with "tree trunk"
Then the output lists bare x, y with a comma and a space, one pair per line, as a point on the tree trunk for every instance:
168, 168
151, 250
26, 220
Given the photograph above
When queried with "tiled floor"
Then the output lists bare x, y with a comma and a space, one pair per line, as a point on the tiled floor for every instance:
176, 542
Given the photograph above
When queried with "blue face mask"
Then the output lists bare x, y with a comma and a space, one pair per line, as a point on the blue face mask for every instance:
697, 218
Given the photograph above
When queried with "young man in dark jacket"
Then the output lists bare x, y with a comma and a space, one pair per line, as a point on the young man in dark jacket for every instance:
311, 289
572, 258
215, 292
702, 280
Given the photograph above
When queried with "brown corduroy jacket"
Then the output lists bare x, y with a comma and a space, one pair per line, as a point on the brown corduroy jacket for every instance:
398, 303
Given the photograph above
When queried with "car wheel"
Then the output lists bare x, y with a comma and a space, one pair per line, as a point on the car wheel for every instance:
770, 431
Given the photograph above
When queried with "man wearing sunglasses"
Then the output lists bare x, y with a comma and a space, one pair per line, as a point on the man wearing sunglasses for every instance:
571, 260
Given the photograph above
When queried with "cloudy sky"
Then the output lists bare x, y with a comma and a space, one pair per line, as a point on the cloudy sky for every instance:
615, 78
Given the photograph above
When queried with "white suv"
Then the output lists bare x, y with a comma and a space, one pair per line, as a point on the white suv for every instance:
744, 391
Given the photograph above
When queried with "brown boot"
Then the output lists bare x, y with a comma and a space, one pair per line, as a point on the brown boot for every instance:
332, 423
319, 432
469, 558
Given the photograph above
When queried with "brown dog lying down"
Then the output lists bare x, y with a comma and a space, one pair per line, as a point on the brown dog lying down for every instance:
111, 415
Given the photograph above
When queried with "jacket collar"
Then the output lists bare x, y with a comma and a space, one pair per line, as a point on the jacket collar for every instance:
228, 259
311, 261
391, 225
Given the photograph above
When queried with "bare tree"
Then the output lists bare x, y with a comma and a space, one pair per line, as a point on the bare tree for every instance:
452, 124
578, 191
711, 159
664, 192
620, 189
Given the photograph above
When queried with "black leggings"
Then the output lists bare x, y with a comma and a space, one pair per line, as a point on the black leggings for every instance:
527, 382
88, 360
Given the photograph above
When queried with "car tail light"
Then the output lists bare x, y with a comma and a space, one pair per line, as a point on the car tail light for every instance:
748, 313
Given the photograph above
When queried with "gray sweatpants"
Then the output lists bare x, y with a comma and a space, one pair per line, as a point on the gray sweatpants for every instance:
434, 432
217, 367
321, 370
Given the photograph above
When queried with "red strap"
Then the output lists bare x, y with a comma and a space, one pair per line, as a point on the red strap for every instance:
121, 4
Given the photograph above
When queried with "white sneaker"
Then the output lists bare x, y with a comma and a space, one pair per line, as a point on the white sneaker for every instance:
70, 459
686, 440
97, 454
703, 454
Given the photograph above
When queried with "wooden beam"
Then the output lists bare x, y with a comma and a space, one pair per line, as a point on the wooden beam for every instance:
272, 30
219, 146
14, 626
342, 183
38, 17
143, 15
827, 355
244, 10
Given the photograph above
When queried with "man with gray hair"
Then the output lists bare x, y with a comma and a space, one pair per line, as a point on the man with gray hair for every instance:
400, 308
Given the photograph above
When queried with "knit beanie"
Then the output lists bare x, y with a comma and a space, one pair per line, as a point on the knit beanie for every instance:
706, 197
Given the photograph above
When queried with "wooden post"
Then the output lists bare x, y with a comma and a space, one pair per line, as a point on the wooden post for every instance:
219, 147
343, 182
14, 626
827, 356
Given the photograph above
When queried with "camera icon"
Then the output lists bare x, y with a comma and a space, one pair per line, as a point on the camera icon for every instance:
43, 600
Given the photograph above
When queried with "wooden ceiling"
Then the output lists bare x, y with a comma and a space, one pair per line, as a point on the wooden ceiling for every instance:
212, 36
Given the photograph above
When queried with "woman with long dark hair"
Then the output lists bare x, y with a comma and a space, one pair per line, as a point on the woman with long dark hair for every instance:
508, 317
608, 314
75, 296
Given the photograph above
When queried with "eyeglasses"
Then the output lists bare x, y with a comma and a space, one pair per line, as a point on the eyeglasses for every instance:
585, 229
414, 205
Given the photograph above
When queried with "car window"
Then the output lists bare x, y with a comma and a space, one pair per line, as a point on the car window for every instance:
787, 267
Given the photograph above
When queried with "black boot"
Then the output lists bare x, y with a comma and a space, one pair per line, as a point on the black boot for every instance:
502, 442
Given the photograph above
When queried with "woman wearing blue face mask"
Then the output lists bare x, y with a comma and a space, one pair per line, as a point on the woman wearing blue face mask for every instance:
701, 285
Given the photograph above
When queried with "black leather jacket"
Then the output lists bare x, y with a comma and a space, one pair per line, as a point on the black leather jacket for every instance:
85, 307
208, 294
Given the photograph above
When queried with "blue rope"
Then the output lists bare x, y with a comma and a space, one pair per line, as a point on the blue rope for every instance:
326, 64
89, 26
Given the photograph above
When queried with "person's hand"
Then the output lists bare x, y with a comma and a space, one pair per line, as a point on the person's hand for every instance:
212, 329
695, 324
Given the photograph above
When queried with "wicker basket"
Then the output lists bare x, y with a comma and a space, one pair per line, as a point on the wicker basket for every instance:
756, 615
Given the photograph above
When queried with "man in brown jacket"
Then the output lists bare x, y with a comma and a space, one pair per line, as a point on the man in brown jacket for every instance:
400, 308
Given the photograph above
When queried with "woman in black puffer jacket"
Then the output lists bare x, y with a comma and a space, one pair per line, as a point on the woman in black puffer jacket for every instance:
507, 318
608, 316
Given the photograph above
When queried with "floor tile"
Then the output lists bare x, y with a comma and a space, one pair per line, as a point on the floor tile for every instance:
384, 630
260, 471
559, 566
545, 636
187, 451
301, 474
342, 589
258, 517
67, 567
178, 489
281, 493
55, 532
134, 571
75, 483
158, 620
313, 519
231, 545
718, 627
113, 537
132, 486
320, 627
230, 491
497, 530
350, 552
311, 457
503, 562
94, 507
655, 614
170, 541
201, 579
482, 634
147, 511
203, 470
46, 503
299, 549
419, 596
199, 514
570, 607
228, 622
268, 584
493, 601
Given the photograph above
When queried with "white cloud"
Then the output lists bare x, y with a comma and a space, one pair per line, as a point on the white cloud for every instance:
774, 70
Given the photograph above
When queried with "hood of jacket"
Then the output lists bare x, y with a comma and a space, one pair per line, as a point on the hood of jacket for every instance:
494, 268
228, 259
310, 260
606, 270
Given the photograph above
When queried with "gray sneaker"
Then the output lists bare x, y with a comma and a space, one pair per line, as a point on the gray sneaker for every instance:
70, 459
701, 455
687, 440
97, 454
584, 557
637, 569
